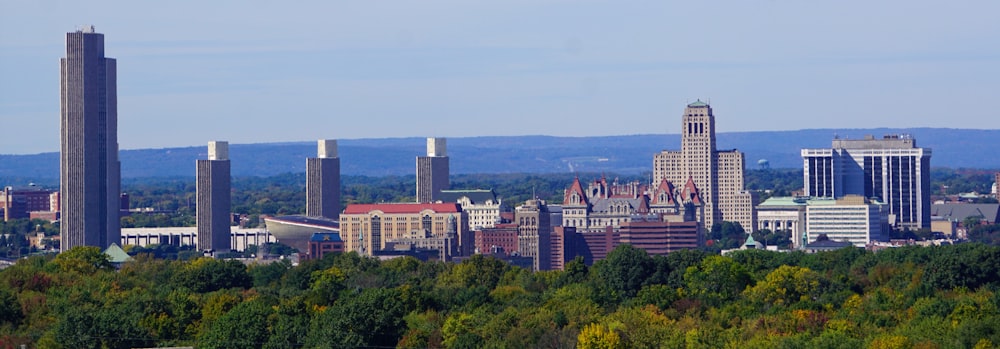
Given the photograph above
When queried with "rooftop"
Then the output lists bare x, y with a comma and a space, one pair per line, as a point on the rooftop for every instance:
697, 104
402, 208
477, 196
306, 220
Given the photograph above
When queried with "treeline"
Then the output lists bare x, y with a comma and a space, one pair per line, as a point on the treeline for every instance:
919, 297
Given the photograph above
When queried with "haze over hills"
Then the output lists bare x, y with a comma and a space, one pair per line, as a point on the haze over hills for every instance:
630, 154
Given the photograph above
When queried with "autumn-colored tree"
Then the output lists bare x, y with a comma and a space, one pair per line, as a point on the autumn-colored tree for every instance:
598, 336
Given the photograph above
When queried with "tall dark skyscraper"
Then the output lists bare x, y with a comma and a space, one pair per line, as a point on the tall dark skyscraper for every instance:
323, 181
89, 171
432, 171
214, 211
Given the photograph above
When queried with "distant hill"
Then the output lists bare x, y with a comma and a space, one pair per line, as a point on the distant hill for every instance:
533, 154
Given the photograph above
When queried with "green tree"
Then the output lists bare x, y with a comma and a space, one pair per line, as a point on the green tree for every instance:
245, 326
85, 260
208, 274
373, 318
716, 280
624, 271
785, 286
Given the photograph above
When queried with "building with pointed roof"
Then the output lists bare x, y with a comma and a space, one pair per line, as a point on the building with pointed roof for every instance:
717, 174
605, 204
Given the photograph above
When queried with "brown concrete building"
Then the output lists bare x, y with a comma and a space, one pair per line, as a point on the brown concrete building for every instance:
499, 238
657, 237
18, 203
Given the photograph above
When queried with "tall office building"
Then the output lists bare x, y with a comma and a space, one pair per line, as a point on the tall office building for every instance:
323, 181
534, 232
213, 212
432, 171
718, 174
892, 170
89, 171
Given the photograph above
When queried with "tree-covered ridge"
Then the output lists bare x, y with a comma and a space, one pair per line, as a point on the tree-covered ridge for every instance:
927, 297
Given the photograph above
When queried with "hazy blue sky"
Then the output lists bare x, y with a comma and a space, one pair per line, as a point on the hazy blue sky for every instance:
246, 71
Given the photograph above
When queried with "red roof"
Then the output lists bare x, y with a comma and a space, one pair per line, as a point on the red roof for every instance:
575, 188
402, 208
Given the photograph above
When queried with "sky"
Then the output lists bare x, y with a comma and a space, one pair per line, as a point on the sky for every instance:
275, 71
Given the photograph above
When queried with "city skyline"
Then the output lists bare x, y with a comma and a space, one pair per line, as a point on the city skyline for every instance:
773, 66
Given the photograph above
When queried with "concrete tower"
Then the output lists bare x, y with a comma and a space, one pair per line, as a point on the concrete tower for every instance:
89, 171
323, 181
214, 215
718, 175
432, 171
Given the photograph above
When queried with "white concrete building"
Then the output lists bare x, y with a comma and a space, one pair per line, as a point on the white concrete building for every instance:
852, 218
240, 238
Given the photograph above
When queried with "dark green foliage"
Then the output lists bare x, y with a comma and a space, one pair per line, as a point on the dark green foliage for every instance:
373, 318
624, 271
246, 326
944, 296
207, 275
727, 235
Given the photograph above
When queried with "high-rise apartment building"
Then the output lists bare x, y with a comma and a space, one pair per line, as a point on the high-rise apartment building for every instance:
892, 170
432, 171
718, 174
213, 212
89, 171
323, 181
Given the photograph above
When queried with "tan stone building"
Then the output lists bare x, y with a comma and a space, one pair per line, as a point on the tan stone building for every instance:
367, 228
717, 174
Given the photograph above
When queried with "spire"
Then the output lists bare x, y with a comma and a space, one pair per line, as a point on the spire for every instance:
575, 189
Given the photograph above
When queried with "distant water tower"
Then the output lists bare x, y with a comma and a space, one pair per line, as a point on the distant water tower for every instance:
763, 164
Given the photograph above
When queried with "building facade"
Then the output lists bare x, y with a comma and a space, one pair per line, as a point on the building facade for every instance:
20, 202
533, 232
892, 170
851, 218
213, 214
784, 214
89, 170
323, 181
239, 238
368, 228
501, 238
433, 171
604, 204
482, 206
718, 174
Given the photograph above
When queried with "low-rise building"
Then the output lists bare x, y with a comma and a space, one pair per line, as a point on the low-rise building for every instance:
483, 206
20, 202
367, 228
321, 244
851, 218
